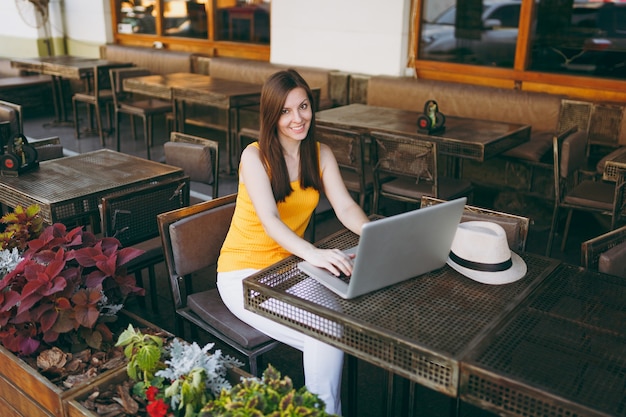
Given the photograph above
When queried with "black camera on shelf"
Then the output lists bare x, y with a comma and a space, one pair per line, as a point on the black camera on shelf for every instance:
432, 121
17, 156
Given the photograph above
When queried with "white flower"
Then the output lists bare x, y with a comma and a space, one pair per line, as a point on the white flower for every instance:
9, 260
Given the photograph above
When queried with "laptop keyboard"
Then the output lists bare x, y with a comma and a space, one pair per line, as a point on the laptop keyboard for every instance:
345, 278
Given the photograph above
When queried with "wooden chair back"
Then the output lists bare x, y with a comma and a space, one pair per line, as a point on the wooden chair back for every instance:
116, 78
516, 227
575, 190
192, 239
198, 157
606, 253
405, 169
349, 150
131, 216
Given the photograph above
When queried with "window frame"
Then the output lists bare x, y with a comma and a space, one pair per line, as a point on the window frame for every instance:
209, 46
519, 77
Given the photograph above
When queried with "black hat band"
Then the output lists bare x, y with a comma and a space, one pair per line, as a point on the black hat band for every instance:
479, 266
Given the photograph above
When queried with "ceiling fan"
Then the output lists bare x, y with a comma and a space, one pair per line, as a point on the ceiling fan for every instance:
35, 13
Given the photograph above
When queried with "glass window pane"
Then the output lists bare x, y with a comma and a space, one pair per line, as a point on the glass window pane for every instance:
243, 21
137, 16
479, 32
185, 18
580, 38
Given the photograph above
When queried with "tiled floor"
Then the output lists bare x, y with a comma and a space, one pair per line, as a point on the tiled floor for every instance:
287, 360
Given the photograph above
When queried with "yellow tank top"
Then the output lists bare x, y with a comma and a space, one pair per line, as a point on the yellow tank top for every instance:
247, 245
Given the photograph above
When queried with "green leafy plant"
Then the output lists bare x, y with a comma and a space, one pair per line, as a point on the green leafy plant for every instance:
144, 353
69, 283
184, 381
195, 375
269, 396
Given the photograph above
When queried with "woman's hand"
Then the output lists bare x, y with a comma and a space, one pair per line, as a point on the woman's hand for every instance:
333, 260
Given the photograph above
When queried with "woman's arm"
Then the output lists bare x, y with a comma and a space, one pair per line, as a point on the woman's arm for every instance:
253, 175
349, 213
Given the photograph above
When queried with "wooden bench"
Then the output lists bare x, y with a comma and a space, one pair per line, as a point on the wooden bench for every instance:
33, 92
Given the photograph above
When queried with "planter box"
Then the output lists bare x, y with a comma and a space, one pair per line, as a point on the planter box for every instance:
25, 392
74, 407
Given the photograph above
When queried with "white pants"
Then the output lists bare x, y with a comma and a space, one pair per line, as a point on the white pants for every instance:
322, 362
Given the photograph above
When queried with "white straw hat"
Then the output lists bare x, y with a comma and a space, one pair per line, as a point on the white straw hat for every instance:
480, 251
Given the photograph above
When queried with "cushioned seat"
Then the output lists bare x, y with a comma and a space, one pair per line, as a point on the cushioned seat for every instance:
602, 197
534, 150
199, 158
192, 239
613, 261
606, 253
208, 305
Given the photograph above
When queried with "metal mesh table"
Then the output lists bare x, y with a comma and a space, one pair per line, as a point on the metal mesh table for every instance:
71, 188
418, 329
561, 354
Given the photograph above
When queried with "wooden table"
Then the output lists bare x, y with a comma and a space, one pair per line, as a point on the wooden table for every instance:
618, 161
59, 67
428, 325
184, 88
69, 189
561, 353
463, 138
161, 86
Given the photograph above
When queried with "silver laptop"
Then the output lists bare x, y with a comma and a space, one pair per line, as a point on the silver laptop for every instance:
396, 248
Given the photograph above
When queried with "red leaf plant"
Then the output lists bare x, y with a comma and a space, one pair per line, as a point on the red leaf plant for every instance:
69, 284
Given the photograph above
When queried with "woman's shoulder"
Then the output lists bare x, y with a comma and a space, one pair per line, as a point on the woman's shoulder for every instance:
251, 157
325, 151
251, 149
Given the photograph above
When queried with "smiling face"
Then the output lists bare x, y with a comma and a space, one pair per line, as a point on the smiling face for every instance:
295, 117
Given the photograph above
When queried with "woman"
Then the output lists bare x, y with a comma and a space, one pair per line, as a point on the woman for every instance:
280, 180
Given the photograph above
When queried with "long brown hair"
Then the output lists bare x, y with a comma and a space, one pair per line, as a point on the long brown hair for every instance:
273, 97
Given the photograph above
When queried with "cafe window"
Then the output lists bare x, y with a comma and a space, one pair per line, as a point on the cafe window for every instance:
213, 20
137, 16
580, 38
470, 32
570, 37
